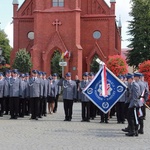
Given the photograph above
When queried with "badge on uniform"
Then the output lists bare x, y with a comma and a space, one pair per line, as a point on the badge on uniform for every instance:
114, 89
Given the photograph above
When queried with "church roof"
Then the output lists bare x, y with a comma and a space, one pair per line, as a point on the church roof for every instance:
15, 2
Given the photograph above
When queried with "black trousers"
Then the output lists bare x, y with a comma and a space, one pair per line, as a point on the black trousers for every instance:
1, 106
27, 106
40, 107
144, 111
7, 105
14, 107
132, 121
21, 107
56, 103
68, 105
104, 117
92, 110
141, 119
85, 111
34, 107
120, 112
44, 106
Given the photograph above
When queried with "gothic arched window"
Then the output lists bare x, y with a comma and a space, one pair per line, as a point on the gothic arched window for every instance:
57, 3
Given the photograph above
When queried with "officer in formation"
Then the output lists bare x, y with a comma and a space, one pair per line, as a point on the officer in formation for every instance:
2, 84
56, 84
136, 92
53, 93
23, 95
69, 95
120, 104
93, 108
85, 102
129, 82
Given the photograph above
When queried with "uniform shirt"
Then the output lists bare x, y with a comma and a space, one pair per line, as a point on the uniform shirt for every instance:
82, 86
135, 94
69, 89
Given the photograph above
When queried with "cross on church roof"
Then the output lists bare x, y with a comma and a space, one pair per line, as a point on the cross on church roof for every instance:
56, 23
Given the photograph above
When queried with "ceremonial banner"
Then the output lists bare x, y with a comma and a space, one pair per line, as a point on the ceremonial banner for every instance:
115, 89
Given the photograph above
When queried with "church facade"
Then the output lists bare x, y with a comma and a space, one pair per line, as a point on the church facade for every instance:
85, 28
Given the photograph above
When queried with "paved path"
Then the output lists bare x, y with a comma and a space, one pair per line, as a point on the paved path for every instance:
52, 133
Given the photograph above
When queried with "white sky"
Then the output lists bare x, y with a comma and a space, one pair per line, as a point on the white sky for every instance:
6, 13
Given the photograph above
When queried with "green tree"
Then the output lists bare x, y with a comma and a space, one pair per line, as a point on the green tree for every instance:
55, 63
139, 30
4, 45
94, 66
22, 61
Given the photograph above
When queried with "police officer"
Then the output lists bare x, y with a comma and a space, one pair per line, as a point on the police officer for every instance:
7, 91
120, 104
52, 92
85, 102
27, 96
45, 90
2, 83
146, 94
93, 108
56, 83
40, 76
134, 107
35, 94
143, 97
14, 94
69, 95
128, 99
23, 89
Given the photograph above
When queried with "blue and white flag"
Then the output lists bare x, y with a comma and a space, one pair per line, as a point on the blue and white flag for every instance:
115, 89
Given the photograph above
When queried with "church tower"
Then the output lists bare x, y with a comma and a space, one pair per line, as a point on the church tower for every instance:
85, 28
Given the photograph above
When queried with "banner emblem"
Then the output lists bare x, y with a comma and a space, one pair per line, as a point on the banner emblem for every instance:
114, 89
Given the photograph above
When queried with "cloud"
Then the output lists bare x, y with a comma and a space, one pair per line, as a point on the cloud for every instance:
9, 31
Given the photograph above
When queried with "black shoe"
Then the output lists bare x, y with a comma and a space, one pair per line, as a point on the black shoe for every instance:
36, 118
101, 121
106, 122
11, 118
40, 116
83, 120
130, 134
69, 119
15, 117
87, 120
6, 113
136, 133
141, 132
125, 130
65, 119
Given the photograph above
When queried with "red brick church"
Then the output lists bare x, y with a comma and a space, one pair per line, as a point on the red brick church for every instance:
83, 27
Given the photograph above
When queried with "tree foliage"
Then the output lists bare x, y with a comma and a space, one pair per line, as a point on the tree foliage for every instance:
139, 30
22, 61
144, 68
94, 66
4, 45
117, 65
55, 63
